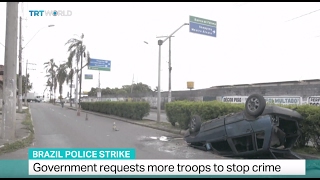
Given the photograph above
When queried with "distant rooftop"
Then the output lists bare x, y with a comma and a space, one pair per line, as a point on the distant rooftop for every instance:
281, 83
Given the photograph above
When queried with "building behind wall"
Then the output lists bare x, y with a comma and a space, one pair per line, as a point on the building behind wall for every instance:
305, 91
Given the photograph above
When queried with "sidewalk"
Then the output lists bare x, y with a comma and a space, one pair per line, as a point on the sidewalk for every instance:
20, 131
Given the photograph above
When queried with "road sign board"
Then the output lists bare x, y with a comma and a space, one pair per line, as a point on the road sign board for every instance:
203, 26
88, 76
202, 21
99, 64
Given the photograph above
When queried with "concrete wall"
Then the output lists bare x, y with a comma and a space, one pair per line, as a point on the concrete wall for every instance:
296, 89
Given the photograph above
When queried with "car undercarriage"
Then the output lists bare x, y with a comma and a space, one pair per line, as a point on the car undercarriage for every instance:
272, 132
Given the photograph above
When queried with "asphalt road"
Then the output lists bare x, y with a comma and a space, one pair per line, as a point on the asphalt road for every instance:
61, 127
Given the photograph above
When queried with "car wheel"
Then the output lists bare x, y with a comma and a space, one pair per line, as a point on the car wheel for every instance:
255, 105
195, 124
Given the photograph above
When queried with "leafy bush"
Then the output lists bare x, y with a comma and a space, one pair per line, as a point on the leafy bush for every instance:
310, 130
130, 110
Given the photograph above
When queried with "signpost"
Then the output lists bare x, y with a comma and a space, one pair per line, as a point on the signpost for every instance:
203, 26
314, 100
98, 64
88, 76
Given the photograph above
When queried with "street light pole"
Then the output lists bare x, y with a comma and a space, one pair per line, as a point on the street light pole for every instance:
20, 67
160, 42
26, 85
170, 68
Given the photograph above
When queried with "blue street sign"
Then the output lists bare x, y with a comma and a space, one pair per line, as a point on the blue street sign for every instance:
99, 64
88, 76
203, 29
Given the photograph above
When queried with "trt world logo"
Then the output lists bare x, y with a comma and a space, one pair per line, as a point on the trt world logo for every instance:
50, 13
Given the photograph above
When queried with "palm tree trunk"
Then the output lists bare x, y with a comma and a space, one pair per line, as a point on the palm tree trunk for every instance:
71, 90
52, 92
80, 80
50, 95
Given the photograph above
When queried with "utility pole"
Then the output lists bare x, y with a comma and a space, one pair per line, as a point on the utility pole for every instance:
132, 84
170, 68
20, 67
26, 82
99, 81
10, 74
26, 85
99, 88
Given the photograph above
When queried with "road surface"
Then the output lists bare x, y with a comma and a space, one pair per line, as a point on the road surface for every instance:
62, 128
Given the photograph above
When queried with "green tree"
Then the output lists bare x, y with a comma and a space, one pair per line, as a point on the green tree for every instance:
61, 77
24, 80
51, 67
124, 90
93, 92
71, 73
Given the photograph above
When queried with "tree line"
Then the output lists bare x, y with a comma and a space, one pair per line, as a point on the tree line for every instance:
125, 90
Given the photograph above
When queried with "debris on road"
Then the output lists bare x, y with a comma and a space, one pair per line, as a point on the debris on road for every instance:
115, 127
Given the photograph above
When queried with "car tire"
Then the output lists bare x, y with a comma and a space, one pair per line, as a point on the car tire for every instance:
195, 124
255, 105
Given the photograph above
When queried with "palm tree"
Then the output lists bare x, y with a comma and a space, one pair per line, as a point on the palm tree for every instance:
61, 77
78, 50
50, 67
71, 73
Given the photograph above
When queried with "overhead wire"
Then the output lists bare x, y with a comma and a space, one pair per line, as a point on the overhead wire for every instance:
303, 15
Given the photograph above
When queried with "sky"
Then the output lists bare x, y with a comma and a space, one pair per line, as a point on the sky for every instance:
256, 42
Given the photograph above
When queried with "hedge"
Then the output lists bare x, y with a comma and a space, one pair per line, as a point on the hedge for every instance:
310, 130
181, 111
130, 110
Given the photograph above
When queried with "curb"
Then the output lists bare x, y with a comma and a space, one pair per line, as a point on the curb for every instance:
34, 131
179, 132
20, 139
307, 156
